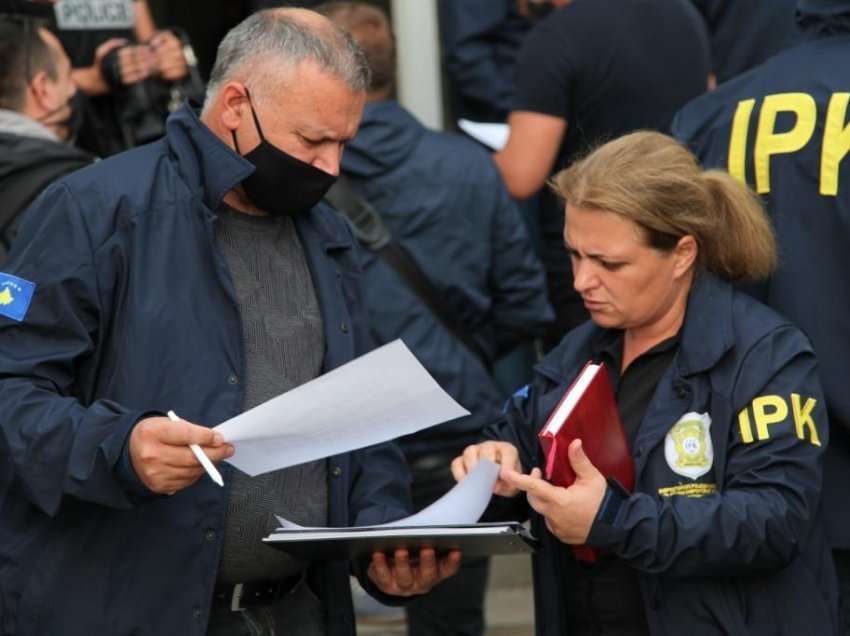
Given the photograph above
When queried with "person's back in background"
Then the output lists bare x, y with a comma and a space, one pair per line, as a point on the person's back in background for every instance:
591, 71
480, 40
744, 33
781, 128
443, 200
37, 117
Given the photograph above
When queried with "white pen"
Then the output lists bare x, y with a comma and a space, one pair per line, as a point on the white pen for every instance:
212, 471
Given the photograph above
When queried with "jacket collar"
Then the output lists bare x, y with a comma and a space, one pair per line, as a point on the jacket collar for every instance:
707, 332
323, 224
211, 169
208, 165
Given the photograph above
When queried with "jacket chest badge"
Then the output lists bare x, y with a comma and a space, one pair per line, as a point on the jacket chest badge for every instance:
687, 447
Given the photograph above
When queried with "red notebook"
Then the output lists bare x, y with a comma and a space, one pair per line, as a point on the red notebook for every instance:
587, 411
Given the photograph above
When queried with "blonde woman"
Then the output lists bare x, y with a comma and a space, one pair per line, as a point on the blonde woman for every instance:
722, 533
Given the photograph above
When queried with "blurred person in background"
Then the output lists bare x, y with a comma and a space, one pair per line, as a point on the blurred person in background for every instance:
589, 71
744, 33
782, 128
480, 40
442, 201
133, 73
39, 114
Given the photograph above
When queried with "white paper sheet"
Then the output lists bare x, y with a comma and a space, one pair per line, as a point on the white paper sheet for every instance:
380, 396
463, 504
493, 136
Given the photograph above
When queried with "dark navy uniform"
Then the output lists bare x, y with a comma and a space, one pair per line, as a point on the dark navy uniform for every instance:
724, 525
744, 33
782, 128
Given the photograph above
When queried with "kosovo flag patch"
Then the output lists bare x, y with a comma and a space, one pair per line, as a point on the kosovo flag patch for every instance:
15, 296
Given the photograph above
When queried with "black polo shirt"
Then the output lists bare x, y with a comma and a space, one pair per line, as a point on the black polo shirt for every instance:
605, 595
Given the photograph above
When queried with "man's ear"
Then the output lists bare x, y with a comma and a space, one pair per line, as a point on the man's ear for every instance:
41, 90
234, 105
685, 254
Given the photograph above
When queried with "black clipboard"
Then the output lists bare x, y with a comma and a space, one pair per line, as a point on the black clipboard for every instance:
479, 539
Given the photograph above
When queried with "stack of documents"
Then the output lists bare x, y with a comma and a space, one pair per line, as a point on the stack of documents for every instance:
447, 524
378, 397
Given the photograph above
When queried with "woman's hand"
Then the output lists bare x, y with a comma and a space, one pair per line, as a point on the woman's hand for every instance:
569, 512
501, 453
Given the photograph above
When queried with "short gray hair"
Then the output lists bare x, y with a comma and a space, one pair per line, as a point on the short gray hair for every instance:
281, 35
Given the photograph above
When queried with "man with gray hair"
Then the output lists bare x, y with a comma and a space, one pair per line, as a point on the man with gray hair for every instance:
199, 274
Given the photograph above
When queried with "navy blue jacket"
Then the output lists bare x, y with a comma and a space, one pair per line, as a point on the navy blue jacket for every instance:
744, 33
480, 42
740, 549
807, 194
442, 198
134, 311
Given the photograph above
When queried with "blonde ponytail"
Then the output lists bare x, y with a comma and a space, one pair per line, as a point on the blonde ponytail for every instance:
742, 247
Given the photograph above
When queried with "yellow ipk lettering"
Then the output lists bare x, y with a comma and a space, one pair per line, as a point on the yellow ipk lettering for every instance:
738, 141
836, 143
803, 418
772, 409
769, 143
744, 426
779, 411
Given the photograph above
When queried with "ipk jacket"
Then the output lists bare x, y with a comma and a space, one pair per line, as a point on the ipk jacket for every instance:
443, 200
133, 311
800, 95
724, 526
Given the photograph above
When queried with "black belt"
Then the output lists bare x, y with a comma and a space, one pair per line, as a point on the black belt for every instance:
235, 597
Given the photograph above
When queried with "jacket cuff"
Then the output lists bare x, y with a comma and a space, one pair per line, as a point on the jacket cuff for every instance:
124, 471
603, 532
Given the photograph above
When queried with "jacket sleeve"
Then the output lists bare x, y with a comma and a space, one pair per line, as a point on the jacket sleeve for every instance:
520, 305
766, 506
470, 33
58, 443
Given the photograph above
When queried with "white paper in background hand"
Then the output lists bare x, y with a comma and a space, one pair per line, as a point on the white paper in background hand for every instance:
494, 136
463, 504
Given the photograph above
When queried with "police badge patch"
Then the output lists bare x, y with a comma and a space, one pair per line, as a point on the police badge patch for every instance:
687, 447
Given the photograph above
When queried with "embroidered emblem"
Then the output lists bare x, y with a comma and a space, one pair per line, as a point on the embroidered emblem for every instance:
15, 296
687, 447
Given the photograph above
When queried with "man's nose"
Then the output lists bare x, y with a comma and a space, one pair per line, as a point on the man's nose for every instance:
328, 159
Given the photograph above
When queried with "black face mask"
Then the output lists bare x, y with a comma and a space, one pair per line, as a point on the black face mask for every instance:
281, 184
75, 119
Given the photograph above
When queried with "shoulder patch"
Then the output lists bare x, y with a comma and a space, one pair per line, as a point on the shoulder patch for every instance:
15, 296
